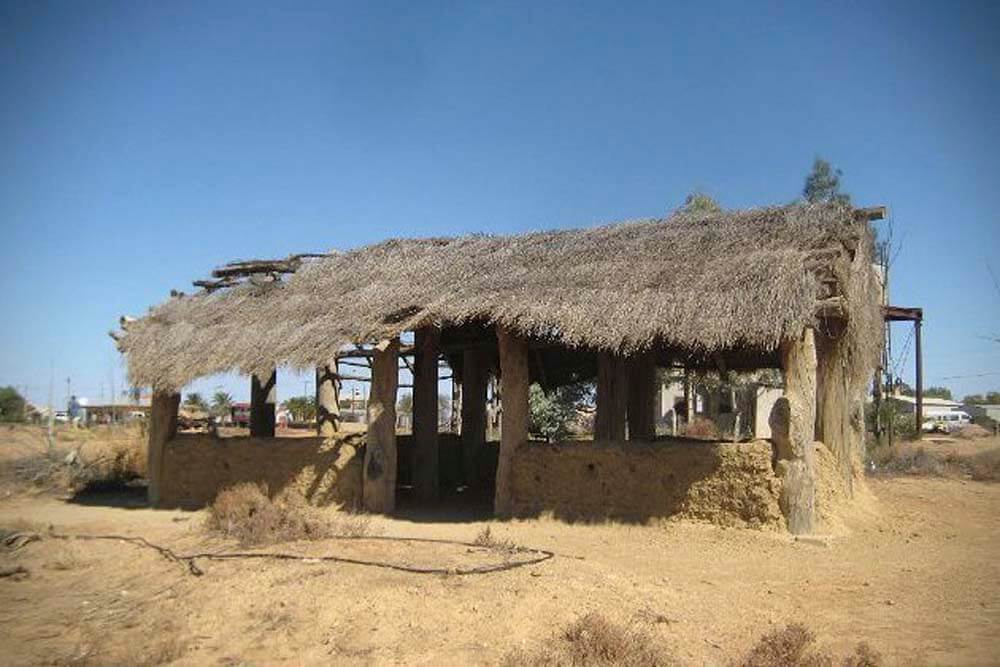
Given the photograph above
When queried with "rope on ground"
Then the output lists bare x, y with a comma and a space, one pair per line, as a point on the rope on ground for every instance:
537, 555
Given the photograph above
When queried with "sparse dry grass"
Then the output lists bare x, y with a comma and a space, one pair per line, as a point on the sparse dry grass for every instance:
93, 460
701, 427
794, 646
248, 514
911, 458
593, 640
66, 557
487, 540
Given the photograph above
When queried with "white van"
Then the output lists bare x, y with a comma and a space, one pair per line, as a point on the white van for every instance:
947, 422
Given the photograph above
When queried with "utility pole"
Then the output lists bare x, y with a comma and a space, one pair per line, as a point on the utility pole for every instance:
52, 413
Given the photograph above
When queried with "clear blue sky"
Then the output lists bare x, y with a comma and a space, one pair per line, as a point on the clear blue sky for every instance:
145, 143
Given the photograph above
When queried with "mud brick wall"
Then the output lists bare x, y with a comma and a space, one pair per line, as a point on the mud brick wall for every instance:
325, 472
730, 484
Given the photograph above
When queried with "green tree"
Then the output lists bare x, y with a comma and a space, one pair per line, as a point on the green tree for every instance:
405, 403
700, 203
938, 392
552, 412
303, 408
990, 398
11, 405
195, 400
221, 404
823, 184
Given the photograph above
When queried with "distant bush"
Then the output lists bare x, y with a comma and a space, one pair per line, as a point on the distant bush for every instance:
910, 459
793, 646
594, 641
701, 427
12, 405
246, 513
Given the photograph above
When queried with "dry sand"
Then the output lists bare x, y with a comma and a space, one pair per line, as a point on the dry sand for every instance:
914, 571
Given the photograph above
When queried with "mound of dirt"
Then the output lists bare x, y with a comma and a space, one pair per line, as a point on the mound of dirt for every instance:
973, 431
837, 496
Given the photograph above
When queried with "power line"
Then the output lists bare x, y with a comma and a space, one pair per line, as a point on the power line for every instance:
963, 377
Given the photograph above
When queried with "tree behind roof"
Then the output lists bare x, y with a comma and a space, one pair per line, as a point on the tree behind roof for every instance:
823, 184
700, 203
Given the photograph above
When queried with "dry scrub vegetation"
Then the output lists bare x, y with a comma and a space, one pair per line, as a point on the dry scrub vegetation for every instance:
911, 458
794, 645
595, 641
249, 514
96, 460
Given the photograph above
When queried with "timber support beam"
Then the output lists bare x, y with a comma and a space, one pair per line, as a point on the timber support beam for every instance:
262, 399
162, 427
379, 474
425, 413
642, 397
793, 430
327, 401
474, 382
514, 382
612, 397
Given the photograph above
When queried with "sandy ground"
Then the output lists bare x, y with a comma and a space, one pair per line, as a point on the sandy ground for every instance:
917, 575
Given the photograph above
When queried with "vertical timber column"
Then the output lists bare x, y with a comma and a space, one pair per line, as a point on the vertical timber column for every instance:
794, 431
455, 425
918, 353
642, 397
262, 399
425, 412
514, 415
327, 401
162, 427
612, 397
379, 484
474, 381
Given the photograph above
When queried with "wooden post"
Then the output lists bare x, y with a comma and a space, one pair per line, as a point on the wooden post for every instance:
612, 395
162, 427
793, 430
379, 486
474, 381
919, 360
642, 397
514, 418
689, 397
262, 399
425, 412
327, 401
455, 425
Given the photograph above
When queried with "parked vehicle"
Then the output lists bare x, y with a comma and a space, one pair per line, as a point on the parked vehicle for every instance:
947, 422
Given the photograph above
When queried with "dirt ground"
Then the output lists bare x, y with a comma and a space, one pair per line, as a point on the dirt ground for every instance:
915, 573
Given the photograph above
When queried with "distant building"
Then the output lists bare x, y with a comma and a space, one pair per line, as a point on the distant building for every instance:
239, 414
105, 413
978, 411
907, 405
753, 404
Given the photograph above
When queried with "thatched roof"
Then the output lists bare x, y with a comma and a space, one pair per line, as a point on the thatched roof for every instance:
742, 279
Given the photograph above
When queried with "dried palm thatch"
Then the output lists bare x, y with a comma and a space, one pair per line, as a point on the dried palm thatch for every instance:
746, 279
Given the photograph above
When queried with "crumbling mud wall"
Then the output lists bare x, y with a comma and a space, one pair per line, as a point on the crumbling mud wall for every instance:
325, 471
730, 484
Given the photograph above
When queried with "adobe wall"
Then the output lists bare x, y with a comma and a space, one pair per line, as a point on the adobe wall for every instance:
731, 484
326, 472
